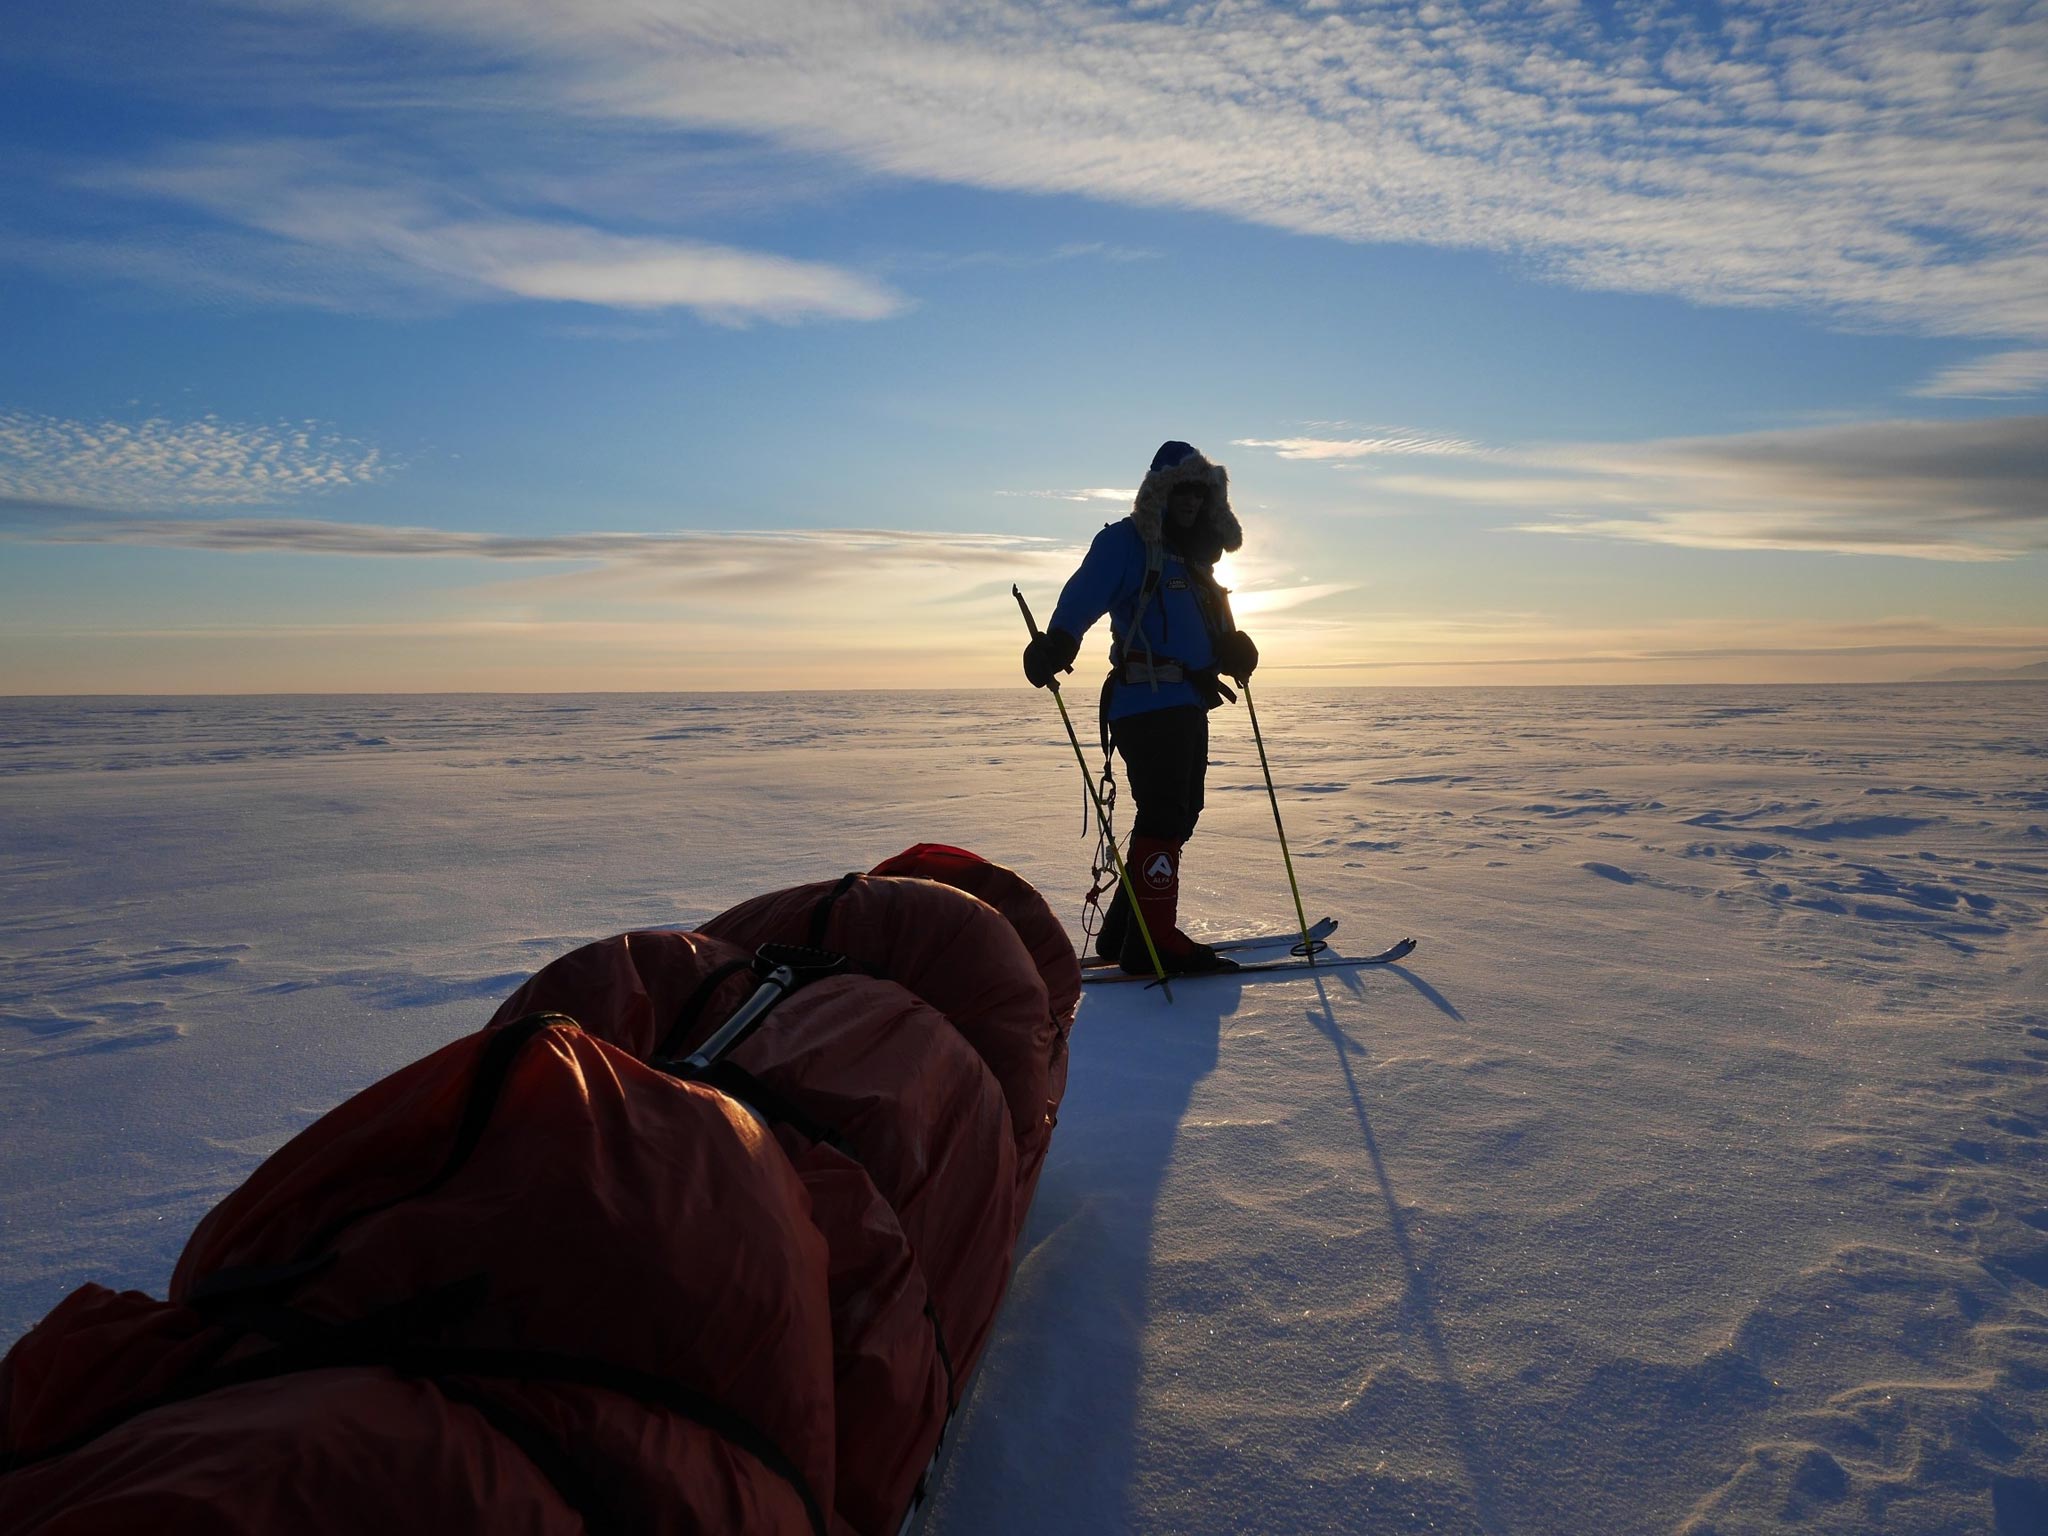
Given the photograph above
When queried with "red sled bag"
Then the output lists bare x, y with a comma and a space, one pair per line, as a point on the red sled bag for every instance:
476, 1293
1051, 950
673, 1243
1018, 900
900, 1134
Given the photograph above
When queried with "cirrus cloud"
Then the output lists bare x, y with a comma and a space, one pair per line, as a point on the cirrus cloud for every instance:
2001, 376
1392, 441
1085, 493
341, 202
1935, 490
772, 561
1877, 161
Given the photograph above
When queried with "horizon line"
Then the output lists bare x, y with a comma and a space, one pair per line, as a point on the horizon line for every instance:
661, 693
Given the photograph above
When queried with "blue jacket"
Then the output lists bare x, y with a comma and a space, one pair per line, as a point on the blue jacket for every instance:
1109, 581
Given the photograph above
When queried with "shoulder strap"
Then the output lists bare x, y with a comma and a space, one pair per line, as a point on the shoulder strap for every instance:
1155, 562
1212, 598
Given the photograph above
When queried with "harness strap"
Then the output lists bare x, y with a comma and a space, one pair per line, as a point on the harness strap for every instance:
1155, 564
1213, 598
1212, 601
821, 914
736, 1082
1158, 669
693, 1007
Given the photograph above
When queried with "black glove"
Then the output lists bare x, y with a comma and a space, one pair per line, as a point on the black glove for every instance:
1053, 651
1236, 656
1212, 688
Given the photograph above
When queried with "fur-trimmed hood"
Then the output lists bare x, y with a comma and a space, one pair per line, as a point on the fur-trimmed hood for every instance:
1179, 464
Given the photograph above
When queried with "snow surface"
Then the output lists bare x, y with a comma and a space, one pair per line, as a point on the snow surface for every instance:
1688, 1177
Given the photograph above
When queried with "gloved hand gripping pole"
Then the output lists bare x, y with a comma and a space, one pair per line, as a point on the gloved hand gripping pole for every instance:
1101, 815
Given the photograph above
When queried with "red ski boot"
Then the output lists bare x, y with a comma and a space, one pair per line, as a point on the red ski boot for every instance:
1155, 873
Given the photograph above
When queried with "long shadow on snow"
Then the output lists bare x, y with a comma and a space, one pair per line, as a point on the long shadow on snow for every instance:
1049, 1439
1416, 1305
1441, 1003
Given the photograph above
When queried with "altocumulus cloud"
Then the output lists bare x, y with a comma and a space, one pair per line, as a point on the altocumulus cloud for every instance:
1872, 160
159, 464
1939, 490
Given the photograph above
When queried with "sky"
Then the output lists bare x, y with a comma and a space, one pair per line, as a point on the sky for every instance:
535, 345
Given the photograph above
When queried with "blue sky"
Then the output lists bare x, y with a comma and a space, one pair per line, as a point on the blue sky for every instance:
542, 344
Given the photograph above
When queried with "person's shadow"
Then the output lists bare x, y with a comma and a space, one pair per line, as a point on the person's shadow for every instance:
1062, 1375
1059, 1386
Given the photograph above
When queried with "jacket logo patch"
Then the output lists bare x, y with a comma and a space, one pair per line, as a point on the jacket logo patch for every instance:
1176, 583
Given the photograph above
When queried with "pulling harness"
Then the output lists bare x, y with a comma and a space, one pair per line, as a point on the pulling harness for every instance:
1132, 661
1128, 665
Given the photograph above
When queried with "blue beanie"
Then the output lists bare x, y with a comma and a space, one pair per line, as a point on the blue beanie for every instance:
1171, 455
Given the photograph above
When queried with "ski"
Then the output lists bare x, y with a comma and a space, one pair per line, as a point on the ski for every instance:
1317, 932
1102, 976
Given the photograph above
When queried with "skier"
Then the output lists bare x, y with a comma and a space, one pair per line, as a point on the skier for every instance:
1171, 643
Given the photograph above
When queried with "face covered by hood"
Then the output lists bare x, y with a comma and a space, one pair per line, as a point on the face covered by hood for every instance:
1216, 531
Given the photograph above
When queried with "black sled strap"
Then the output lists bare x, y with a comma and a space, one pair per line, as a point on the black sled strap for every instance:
821, 914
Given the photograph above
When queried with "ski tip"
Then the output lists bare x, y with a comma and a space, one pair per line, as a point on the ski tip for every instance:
1400, 951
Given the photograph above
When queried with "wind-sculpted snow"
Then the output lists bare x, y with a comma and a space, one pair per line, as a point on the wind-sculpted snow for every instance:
1692, 1176
90, 995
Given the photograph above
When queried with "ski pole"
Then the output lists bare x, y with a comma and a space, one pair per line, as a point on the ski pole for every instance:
1308, 946
1101, 815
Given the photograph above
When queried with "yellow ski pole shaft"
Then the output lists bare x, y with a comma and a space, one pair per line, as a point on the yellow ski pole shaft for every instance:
1308, 946
1123, 874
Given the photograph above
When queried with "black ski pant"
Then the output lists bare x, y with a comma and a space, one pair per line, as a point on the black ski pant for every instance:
1166, 763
